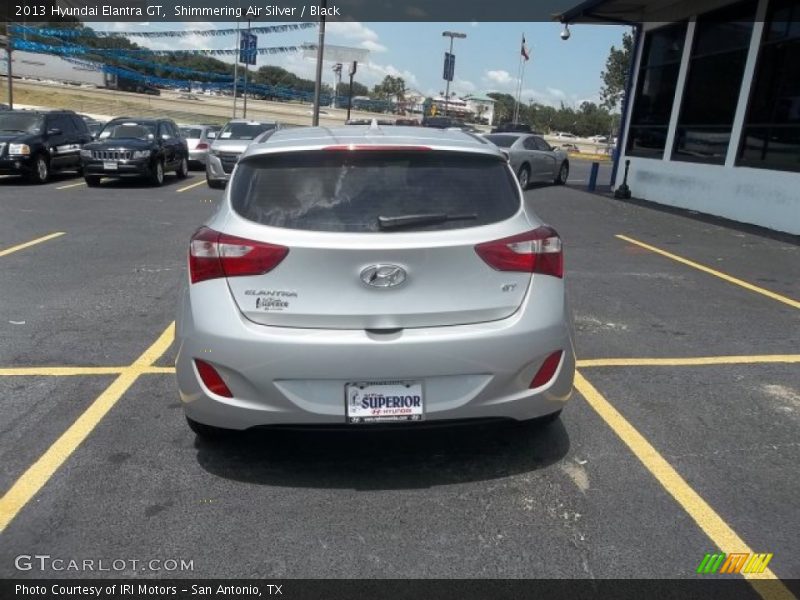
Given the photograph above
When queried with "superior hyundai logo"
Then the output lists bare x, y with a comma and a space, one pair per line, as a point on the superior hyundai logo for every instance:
383, 276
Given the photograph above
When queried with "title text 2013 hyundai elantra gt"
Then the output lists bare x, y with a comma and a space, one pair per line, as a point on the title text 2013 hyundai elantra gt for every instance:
366, 275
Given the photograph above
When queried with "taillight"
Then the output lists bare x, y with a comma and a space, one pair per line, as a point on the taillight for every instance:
213, 254
201, 146
537, 251
212, 380
547, 370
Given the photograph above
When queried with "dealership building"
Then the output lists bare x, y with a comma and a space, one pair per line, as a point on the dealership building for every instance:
711, 121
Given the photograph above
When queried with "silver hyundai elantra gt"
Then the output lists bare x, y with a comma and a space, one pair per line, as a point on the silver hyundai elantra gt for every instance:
368, 275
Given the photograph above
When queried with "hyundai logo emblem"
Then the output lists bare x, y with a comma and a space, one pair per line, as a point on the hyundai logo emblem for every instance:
383, 276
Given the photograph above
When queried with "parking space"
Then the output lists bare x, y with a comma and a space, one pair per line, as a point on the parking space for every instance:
681, 439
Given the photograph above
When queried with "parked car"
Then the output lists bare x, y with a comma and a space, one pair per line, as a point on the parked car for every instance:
513, 128
5, 107
136, 147
199, 139
562, 135
187, 97
532, 158
229, 145
442, 122
37, 143
95, 127
599, 139
355, 277
383, 122
407, 122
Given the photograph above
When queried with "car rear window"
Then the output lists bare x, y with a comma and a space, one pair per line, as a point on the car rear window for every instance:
502, 141
244, 131
346, 191
191, 133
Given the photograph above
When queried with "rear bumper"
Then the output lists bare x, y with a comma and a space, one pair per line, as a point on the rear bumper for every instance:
285, 376
198, 156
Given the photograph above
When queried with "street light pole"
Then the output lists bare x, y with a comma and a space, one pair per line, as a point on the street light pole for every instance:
9, 68
320, 52
451, 35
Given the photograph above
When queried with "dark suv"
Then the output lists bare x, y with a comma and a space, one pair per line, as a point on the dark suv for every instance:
129, 146
36, 143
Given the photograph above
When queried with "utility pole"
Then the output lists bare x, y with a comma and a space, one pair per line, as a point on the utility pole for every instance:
9, 68
449, 71
352, 72
320, 53
246, 69
236, 67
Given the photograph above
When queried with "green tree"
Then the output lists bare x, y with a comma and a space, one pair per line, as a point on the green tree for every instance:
616, 73
503, 106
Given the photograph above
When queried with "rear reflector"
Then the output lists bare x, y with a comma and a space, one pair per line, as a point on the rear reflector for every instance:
537, 251
213, 254
212, 379
383, 148
201, 146
547, 370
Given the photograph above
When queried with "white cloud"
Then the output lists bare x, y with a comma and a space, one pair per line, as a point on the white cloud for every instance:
501, 78
463, 86
373, 46
351, 30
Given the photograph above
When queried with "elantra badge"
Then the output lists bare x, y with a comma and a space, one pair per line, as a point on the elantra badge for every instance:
383, 276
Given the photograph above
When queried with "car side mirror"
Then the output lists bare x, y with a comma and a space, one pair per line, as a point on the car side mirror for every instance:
54, 131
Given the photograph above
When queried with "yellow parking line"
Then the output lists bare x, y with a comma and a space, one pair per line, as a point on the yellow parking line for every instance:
71, 185
13, 249
748, 286
684, 362
188, 187
725, 538
59, 371
38, 474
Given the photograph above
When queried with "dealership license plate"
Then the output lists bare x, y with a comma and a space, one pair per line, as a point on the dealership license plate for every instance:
384, 401
109, 166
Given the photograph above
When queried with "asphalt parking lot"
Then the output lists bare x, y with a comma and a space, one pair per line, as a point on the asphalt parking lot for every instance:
681, 438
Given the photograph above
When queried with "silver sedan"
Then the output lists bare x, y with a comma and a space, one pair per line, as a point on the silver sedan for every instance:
532, 158
362, 276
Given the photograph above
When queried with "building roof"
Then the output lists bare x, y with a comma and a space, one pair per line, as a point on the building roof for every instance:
480, 99
627, 12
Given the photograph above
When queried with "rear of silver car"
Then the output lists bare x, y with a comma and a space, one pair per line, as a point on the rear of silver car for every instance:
198, 139
229, 145
372, 282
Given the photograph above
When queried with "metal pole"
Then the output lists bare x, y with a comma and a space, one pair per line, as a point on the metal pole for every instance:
350, 96
236, 68
320, 53
9, 71
447, 88
246, 70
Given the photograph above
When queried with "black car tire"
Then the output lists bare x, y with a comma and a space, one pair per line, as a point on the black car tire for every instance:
157, 173
563, 174
92, 180
208, 432
524, 177
215, 184
41, 170
183, 169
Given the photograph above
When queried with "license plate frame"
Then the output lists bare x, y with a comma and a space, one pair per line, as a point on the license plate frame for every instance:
110, 165
398, 401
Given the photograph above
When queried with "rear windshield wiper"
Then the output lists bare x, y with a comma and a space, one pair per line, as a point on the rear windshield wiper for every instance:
421, 219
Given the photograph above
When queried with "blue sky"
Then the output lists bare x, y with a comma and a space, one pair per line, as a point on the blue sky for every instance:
486, 60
